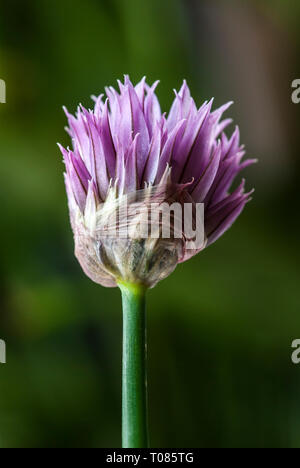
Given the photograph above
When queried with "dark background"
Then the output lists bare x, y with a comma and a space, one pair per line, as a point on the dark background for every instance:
221, 327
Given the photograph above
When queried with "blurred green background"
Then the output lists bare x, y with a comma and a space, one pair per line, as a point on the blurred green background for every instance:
220, 328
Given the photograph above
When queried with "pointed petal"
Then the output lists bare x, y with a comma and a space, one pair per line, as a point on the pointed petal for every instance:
168, 148
131, 178
152, 109
107, 142
218, 223
153, 159
203, 185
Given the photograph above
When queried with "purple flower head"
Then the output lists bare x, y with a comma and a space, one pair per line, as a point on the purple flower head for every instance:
126, 147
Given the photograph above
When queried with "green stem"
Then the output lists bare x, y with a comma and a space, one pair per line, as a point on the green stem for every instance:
134, 388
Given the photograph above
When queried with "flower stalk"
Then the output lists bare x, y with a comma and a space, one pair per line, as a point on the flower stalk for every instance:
127, 153
134, 384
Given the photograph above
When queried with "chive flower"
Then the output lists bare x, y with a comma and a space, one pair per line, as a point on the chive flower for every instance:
126, 151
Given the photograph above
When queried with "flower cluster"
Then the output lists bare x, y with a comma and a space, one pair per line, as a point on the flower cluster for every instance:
127, 146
